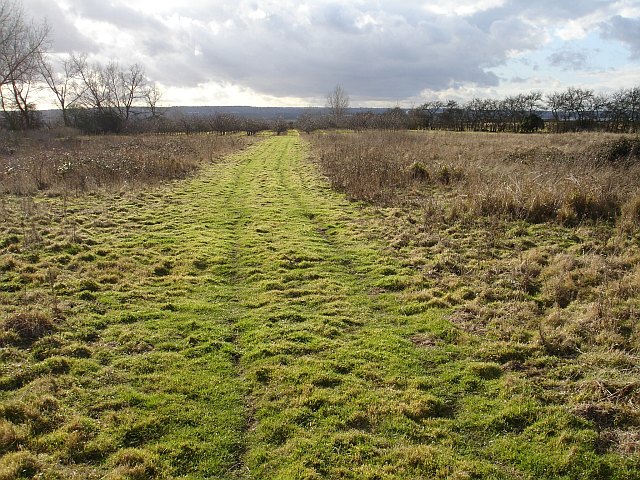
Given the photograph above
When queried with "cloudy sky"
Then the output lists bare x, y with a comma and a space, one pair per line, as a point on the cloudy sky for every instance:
382, 52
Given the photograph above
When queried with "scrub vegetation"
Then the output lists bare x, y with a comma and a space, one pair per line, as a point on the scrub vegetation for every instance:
248, 321
62, 162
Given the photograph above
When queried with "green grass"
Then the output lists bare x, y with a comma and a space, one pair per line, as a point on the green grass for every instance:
251, 323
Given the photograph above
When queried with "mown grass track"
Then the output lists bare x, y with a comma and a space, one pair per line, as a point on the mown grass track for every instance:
247, 324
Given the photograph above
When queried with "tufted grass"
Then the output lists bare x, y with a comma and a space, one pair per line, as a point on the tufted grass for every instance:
252, 323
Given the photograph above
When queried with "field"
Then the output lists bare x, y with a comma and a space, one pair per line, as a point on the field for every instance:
342, 305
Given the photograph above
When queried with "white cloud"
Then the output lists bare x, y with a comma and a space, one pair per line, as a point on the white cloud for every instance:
572, 30
462, 7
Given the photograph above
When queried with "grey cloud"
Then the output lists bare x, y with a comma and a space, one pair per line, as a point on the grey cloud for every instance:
626, 30
65, 36
117, 14
405, 50
568, 60
337, 17
398, 60
539, 10
412, 50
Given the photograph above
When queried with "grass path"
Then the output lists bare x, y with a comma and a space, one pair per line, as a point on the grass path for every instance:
244, 324
311, 343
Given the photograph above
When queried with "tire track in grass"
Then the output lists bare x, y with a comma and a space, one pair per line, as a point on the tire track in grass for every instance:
221, 202
145, 380
206, 217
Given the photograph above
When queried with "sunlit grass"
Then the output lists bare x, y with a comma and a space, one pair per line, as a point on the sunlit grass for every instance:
252, 323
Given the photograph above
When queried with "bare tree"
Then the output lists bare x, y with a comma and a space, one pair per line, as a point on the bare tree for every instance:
22, 45
63, 85
394, 119
152, 95
280, 125
19, 112
337, 104
309, 120
92, 92
532, 101
126, 87
427, 113
107, 94
364, 120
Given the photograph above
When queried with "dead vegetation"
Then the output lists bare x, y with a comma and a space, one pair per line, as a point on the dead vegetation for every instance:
63, 162
562, 178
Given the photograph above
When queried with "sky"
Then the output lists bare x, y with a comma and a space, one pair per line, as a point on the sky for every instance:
382, 52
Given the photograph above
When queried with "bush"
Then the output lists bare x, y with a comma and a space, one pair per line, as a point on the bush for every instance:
623, 150
419, 172
531, 123
30, 326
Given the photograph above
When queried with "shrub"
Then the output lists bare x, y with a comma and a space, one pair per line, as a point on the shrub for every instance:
622, 150
531, 123
418, 171
30, 326
18, 465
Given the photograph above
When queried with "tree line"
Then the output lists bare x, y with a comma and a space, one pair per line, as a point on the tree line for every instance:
573, 109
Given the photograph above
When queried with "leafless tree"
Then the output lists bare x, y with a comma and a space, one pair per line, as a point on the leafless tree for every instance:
62, 83
427, 113
19, 112
152, 95
532, 101
364, 120
22, 45
514, 108
337, 104
309, 120
127, 86
280, 125
109, 92
394, 119
555, 103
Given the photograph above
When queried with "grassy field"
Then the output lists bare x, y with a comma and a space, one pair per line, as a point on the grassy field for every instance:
250, 322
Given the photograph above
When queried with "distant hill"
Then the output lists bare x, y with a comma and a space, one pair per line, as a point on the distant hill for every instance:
263, 113
290, 114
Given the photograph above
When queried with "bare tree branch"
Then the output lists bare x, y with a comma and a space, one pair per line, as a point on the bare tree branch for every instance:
337, 103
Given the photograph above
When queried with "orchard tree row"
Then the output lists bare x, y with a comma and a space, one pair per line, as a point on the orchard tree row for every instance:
574, 109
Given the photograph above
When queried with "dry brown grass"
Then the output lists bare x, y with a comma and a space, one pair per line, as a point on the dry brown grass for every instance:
76, 164
566, 178
30, 326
